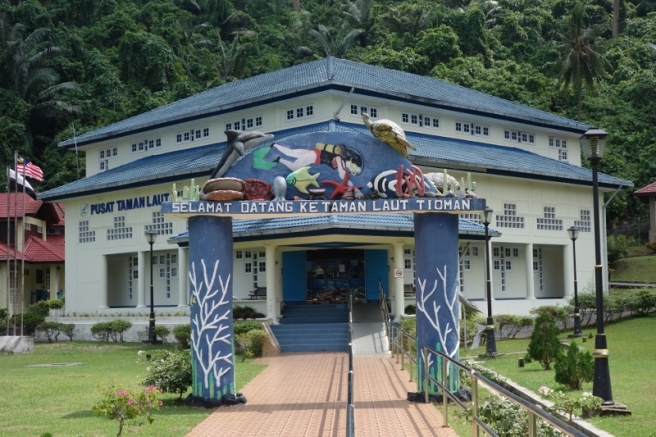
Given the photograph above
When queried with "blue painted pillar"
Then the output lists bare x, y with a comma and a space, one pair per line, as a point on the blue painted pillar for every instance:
210, 291
438, 309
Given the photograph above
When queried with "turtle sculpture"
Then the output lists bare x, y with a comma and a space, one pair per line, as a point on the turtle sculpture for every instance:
388, 132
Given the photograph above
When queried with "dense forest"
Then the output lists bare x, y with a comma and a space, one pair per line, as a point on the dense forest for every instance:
70, 66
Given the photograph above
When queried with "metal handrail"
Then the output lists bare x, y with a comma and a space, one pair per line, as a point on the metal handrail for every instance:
350, 404
533, 411
384, 309
399, 351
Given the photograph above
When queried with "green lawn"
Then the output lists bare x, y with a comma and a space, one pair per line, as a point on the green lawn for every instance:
636, 268
58, 399
632, 368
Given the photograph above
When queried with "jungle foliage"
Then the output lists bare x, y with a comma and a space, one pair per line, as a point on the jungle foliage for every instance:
70, 66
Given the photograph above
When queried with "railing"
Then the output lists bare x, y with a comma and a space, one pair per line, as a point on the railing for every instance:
533, 411
384, 309
350, 404
401, 338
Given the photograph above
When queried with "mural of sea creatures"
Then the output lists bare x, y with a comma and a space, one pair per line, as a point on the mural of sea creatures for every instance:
238, 143
279, 188
302, 178
388, 132
382, 183
257, 189
223, 189
411, 182
437, 179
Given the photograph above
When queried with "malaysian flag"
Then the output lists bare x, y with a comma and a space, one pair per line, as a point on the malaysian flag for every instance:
26, 167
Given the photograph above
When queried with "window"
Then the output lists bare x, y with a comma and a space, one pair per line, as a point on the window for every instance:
27, 226
515, 252
262, 266
174, 258
143, 145
465, 264
510, 219
247, 254
84, 234
191, 135
357, 110
300, 112
549, 222
162, 227
162, 273
162, 259
238, 254
496, 252
104, 156
119, 231
472, 129
174, 272
475, 218
508, 265
519, 137
420, 120
584, 223
407, 264
561, 145
261, 254
248, 268
497, 264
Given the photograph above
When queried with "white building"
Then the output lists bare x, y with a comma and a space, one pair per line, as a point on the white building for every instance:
526, 164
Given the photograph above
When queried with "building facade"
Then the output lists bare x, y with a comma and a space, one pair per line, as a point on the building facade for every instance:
526, 163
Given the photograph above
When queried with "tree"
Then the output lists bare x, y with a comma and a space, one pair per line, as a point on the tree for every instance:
574, 368
544, 345
337, 46
580, 65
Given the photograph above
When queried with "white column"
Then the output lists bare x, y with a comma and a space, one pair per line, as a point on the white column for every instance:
103, 297
530, 283
141, 283
279, 291
399, 301
270, 259
568, 272
183, 299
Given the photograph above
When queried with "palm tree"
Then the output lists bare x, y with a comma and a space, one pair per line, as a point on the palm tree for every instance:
580, 66
336, 46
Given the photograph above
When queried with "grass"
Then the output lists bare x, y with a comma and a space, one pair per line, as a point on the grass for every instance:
632, 369
58, 399
637, 268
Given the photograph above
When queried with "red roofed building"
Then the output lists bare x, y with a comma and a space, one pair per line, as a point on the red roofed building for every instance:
39, 242
648, 195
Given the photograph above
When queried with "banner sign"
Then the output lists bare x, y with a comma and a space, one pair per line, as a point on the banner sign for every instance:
286, 208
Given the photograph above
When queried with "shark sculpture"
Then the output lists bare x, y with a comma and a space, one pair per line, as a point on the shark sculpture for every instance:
238, 143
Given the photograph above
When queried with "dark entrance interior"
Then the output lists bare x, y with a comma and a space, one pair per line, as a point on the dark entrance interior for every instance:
334, 273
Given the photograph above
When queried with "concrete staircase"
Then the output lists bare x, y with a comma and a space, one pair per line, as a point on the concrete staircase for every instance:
309, 328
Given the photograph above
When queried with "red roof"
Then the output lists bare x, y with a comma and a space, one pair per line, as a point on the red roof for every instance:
38, 251
646, 191
12, 203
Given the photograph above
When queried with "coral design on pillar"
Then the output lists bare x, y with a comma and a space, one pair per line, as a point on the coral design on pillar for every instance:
444, 328
209, 330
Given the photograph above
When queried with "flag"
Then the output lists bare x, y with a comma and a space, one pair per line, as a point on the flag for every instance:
17, 182
26, 167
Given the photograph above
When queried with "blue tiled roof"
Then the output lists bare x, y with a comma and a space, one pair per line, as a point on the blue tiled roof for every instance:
288, 227
434, 150
329, 73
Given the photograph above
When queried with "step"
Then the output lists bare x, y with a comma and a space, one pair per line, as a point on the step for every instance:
313, 348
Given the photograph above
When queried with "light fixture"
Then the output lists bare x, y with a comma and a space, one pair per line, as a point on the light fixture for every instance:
151, 237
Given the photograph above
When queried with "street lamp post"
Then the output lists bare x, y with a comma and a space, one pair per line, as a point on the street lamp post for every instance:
593, 143
573, 235
490, 342
151, 236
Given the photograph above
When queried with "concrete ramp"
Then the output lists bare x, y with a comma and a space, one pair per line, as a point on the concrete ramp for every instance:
369, 336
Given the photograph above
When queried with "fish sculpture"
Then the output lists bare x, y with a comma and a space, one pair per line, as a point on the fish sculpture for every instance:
382, 184
301, 179
238, 143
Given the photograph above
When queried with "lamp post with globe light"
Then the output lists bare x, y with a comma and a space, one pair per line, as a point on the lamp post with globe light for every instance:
490, 342
151, 236
573, 235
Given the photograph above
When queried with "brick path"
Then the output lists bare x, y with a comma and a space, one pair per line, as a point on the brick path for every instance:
305, 394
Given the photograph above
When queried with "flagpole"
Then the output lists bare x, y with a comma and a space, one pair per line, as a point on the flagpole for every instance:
15, 242
22, 233
8, 235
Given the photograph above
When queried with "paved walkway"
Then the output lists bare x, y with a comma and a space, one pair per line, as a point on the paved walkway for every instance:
305, 395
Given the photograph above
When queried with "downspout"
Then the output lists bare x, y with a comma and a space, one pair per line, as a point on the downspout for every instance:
336, 115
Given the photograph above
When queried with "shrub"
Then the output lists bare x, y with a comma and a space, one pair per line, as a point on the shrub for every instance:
509, 325
251, 343
51, 330
410, 309
651, 246
162, 332
123, 405
574, 368
170, 371
618, 246
69, 330
118, 328
558, 314
247, 326
41, 307
30, 322
101, 331
182, 334
544, 345
567, 403
509, 419
644, 301
245, 312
